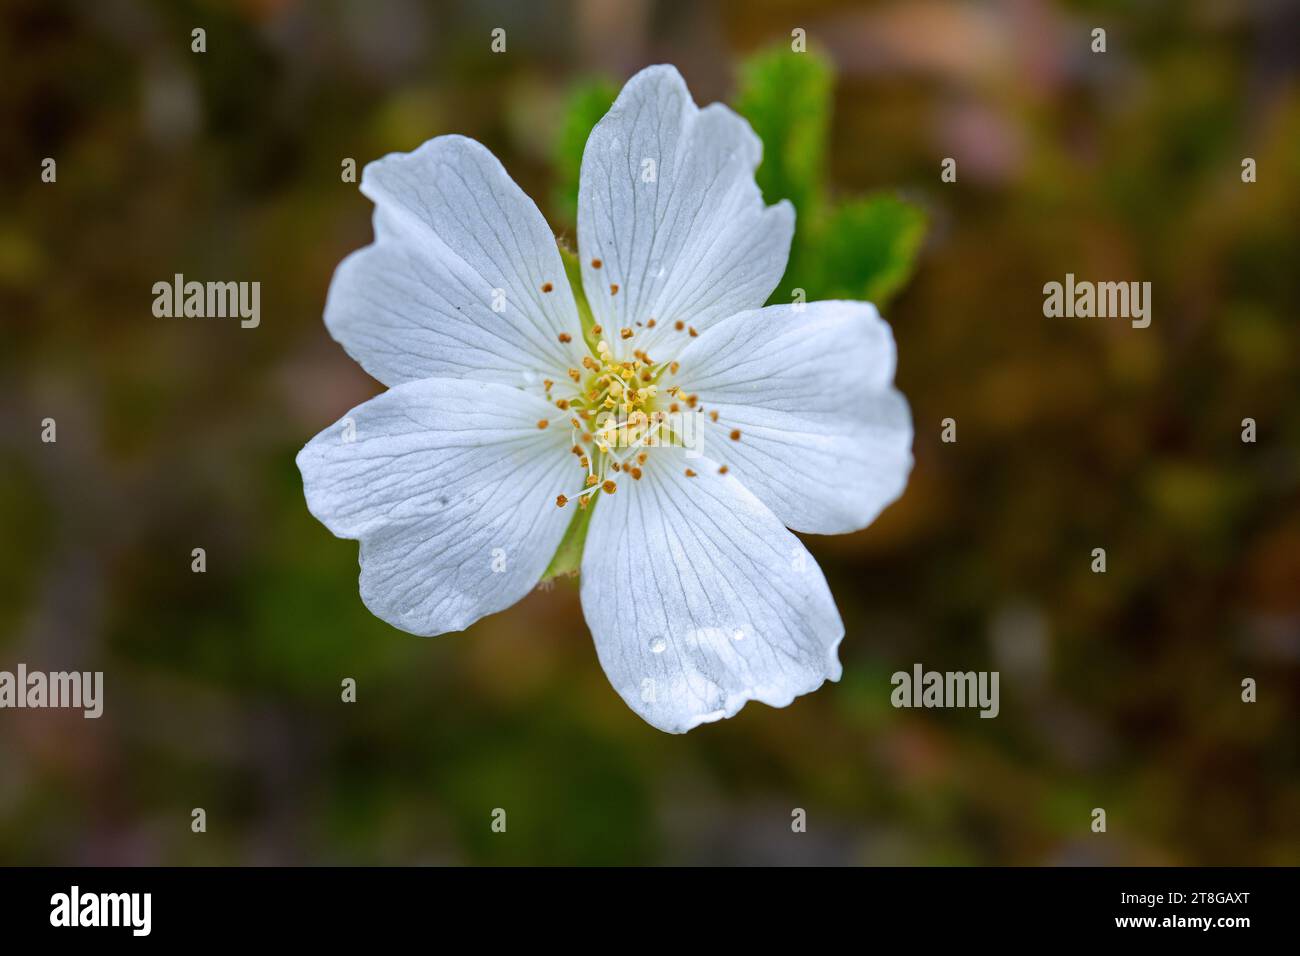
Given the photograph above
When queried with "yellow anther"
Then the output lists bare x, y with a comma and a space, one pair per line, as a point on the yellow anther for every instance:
542, 423
609, 487
561, 501
625, 333
689, 473
735, 434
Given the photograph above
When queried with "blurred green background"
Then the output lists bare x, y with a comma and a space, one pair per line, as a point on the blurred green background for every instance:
1118, 690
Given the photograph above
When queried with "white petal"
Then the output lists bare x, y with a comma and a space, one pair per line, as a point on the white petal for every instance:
450, 486
699, 600
697, 243
452, 286
826, 439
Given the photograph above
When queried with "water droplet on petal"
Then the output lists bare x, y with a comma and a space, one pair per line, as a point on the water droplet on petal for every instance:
658, 645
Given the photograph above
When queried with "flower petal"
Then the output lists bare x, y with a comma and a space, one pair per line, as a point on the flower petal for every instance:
699, 600
668, 204
453, 285
825, 438
450, 486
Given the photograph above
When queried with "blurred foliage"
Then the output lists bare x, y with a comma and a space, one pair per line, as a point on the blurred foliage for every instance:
865, 249
862, 248
587, 102
786, 97
1119, 690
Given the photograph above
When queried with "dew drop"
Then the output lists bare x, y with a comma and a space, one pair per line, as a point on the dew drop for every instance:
658, 645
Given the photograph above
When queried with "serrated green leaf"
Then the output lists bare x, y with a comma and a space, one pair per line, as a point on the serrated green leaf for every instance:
587, 102
786, 97
866, 249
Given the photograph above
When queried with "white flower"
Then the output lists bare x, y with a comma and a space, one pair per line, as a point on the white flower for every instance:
734, 423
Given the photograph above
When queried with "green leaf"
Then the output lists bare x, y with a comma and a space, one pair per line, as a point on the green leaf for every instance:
587, 102
573, 271
866, 249
568, 556
786, 97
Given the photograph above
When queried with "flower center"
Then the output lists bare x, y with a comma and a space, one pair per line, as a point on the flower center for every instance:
618, 409
621, 408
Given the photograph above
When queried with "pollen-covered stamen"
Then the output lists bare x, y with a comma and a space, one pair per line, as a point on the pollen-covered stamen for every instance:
650, 433
620, 405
